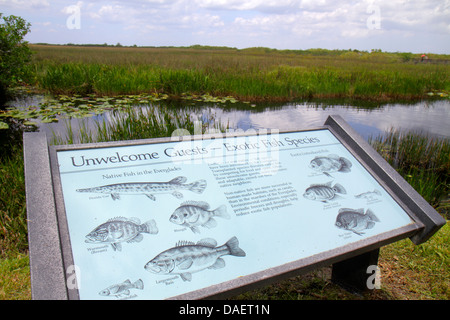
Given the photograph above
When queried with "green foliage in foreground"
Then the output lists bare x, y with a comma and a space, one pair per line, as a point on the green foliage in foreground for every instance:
13, 218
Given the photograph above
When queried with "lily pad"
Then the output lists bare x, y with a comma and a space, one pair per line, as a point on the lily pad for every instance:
3, 125
30, 123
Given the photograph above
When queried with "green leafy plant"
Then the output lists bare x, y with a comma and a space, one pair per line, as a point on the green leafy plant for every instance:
15, 54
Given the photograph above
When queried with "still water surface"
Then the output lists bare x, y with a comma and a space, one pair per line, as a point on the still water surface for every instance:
429, 117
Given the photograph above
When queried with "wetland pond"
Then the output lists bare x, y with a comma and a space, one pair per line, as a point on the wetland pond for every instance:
431, 117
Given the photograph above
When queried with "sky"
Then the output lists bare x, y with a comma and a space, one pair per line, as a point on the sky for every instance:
390, 25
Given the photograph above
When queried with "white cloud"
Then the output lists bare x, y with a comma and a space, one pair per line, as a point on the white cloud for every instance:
241, 23
205, 20
34, 4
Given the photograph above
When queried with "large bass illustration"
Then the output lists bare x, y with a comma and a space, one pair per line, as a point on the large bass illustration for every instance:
188, 257
149, 188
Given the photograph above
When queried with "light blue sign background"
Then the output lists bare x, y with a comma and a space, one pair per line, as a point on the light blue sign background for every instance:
269, 233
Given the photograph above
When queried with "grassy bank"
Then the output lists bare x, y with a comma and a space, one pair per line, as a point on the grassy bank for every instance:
251, 74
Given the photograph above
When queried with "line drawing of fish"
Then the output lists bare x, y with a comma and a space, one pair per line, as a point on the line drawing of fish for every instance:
193, 214
330, 163
324, 192
149, 188
122, 289
356, 220
121, 229
369, 195
188, 257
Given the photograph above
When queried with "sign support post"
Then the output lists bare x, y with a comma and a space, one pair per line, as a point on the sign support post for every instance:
352, 273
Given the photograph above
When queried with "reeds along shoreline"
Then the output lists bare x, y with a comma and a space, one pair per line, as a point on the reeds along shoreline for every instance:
423, 161
246, 76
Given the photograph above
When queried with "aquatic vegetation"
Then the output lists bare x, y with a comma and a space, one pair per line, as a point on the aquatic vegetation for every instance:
253, 74
423, 161
440, 94
65, 107
135, 123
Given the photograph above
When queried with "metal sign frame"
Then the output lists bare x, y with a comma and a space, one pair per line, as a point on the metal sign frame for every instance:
51, 258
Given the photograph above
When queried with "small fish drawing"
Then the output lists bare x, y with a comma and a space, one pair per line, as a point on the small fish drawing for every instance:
369, 195
356, 220
149, 188
186, 257
121, 229
331, 163
122, 289
324, 192
193, 214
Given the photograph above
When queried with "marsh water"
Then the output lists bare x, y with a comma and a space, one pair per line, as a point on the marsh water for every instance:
428, 117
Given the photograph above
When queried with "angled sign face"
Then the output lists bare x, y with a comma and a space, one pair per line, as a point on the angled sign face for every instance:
203, 216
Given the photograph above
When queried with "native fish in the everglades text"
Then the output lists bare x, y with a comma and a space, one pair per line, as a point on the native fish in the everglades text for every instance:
324, 192
149, 188
356, 220
330, 163
122, 289
188, 257
369, 195
192, 214
121, 229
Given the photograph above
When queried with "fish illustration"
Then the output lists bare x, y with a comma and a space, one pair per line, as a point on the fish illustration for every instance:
186, 257
324, 192
149, 188
331, 163
356, 220
122, 289
121, 229
368, 195
193, 214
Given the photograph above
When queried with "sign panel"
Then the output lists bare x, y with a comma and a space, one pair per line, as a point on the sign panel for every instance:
159, 220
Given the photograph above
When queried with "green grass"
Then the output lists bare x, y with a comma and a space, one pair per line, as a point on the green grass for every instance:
251, 75
13, 220
423, 161
15, 277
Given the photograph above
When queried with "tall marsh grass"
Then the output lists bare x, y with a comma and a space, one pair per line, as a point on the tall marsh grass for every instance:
423, 161
247, 75
135, 123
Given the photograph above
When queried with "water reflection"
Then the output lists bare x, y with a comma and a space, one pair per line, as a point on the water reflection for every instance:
430, 117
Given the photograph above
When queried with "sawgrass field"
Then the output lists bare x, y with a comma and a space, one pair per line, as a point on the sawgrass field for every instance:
253, 74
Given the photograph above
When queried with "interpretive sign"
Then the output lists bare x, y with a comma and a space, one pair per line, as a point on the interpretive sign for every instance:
192, 217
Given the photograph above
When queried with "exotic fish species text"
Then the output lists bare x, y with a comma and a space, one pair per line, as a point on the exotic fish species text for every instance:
120, 229
356, 220
324, 192
122, 289
193, 214
331, 163
186, 257
149, 188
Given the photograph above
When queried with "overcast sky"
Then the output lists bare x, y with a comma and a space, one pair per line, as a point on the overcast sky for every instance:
389, 25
